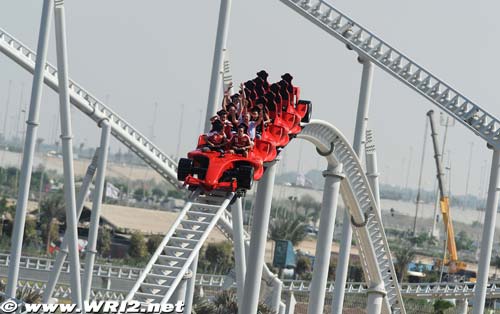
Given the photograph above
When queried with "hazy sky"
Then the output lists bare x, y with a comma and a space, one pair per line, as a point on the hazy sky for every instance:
136, 53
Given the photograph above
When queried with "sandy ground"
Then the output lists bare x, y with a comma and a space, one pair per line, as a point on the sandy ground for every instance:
11, 159
153, 221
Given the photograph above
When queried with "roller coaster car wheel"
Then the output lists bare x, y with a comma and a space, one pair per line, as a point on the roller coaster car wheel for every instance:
307, 116
245, 177
184, 169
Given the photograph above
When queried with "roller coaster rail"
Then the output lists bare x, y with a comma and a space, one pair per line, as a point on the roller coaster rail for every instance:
169, 274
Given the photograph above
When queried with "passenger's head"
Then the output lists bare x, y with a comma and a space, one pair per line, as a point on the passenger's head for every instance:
246, 117
231, 108
222, 114
217, 126
241, 130
235, 98
255, 113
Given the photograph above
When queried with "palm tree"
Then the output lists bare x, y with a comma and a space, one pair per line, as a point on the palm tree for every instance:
404, 255
52, 211
287, 225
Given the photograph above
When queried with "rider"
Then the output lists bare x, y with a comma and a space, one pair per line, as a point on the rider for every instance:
216, 139
241, 142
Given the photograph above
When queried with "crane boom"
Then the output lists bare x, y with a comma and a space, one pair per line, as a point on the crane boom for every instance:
444, 199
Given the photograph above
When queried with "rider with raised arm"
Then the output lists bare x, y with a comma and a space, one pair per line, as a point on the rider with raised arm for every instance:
241, 142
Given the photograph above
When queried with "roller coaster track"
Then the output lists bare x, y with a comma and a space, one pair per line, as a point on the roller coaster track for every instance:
95, 109
369, 232
400, 66
171, 261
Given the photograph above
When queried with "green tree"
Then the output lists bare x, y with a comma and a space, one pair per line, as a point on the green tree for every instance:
154, 242
5, 207
287, 225
463, 241
441, 305
52, 211
404, 255
140, 194
158, 193
176, 193
137, 248
104, 242
303, 267
220, 257
30, 233
309, 203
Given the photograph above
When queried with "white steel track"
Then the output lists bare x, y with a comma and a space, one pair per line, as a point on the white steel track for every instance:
95, 109
374, 251
373, 48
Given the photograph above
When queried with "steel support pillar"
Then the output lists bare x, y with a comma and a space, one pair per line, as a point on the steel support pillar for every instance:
190, 289
258, 239
180, 291
290, 304
29, 148
67, 148
490, 219
239, 249
376, 293
462, 306
63, 251
372, 168
325, 237
217, 64
276, 295
95, 216
358, 145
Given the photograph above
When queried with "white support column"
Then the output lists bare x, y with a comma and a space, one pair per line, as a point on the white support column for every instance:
325, 237
276, 295
358, 145
372, 167
63, 251
377, 293
180, 291
190, 289
462, 306
258, 239
490, 219
290, 304
95, 216
239, 249
217, 64
29, 149
67, 148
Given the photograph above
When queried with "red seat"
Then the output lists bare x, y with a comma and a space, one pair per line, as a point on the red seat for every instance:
275, 134
301, 109
289, 120
264, 150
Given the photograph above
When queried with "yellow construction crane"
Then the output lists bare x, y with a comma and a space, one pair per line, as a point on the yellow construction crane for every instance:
455, 267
